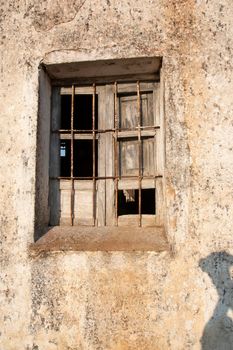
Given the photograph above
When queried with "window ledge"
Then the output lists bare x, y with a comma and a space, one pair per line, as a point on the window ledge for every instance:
127, 239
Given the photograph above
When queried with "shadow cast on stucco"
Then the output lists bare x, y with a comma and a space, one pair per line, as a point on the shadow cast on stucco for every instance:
218, 332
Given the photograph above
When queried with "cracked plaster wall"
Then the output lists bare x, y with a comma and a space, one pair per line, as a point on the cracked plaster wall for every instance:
122, 300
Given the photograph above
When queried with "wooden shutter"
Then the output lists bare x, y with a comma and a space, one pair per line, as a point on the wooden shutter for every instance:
124, 103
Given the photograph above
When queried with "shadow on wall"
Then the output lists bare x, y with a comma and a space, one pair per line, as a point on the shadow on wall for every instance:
218, 332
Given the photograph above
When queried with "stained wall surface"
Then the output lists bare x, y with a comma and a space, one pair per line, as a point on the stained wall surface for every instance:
123, 300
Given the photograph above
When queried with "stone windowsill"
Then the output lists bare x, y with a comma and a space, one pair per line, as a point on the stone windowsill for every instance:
75, 238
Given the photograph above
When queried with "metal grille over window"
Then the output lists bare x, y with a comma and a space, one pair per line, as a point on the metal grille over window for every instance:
105, 158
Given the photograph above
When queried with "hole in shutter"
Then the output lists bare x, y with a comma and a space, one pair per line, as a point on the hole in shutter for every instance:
128, 201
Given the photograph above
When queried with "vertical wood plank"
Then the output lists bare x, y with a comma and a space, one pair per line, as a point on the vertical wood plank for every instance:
101, 201
116, 152
156, 103
139, 156
148, 159
159, 135
128, 111
72, 200
109, 124
160, 209
54, 164
84, 207
163, 145
128, 157
93, 155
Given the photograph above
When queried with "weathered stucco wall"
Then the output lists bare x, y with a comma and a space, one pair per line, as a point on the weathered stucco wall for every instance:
119, 300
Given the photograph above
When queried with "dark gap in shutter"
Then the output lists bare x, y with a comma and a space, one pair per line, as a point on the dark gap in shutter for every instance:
128, 201
82, 112
83, 158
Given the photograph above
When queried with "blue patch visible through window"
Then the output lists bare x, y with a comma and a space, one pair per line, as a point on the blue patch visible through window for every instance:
63, 149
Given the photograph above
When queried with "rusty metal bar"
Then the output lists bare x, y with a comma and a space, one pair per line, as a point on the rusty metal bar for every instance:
94, 153
75, 131
106, 177
139, 157
72, 156
116, 125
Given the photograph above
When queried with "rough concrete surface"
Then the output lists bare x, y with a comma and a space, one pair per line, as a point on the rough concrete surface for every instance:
123, 300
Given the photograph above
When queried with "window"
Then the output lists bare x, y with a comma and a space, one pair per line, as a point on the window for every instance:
106, 145
105, 155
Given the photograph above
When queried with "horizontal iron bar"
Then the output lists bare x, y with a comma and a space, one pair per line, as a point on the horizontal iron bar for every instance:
105, 130
105, 177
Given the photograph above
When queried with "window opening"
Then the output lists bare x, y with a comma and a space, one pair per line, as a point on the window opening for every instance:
83, 158
128, 202
83, 108
133, 131
65, 158
82, 112
65, 112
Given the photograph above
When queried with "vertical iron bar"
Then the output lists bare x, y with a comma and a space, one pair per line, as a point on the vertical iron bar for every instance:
72, 155
139, 156
94, 153
116, 126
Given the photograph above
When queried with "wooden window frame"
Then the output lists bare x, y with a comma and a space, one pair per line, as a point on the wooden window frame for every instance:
109, 181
